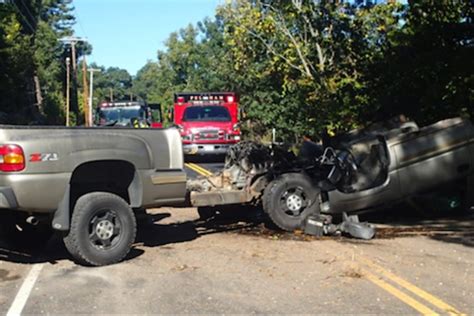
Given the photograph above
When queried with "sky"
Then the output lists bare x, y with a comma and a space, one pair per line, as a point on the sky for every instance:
128, 33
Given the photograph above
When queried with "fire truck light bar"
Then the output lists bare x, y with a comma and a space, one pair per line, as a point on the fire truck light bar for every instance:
117, 104
201, 98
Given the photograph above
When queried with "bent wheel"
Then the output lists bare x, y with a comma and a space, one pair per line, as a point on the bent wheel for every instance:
289, 200
103, 229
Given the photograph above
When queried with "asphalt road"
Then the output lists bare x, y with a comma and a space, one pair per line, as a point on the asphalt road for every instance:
236, 264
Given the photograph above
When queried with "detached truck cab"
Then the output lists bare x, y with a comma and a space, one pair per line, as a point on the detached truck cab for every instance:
207, 121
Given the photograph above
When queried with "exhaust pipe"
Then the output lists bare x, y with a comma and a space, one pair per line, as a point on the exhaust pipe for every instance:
33, 220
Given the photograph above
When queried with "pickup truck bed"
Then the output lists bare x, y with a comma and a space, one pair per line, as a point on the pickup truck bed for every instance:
44, 171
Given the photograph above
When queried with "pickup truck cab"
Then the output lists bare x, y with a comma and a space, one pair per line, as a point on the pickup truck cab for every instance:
86, 183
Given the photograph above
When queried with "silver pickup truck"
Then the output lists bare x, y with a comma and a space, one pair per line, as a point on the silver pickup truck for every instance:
86, 182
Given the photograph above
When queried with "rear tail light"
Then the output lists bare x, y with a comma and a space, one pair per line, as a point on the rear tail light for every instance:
11, 158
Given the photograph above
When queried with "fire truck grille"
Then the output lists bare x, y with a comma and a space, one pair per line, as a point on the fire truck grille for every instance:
209, 134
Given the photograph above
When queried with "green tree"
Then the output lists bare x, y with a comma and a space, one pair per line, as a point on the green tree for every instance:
112, 83
426, 72
302, 66
31, 72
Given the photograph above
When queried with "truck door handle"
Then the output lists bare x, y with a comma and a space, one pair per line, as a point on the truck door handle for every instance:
463, 168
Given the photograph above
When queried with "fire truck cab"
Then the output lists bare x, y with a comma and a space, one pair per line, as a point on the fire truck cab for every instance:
207, 121
128, 113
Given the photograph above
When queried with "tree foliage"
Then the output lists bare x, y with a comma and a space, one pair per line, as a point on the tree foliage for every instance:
112, 83
301, 66
32, 60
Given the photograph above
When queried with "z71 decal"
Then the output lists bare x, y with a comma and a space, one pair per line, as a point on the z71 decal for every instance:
39, 157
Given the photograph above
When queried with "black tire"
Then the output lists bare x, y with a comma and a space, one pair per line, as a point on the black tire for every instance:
289, 200
103, 229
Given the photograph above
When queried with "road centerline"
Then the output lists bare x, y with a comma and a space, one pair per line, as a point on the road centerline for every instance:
430, 298
198, 169
420, 307
380, 277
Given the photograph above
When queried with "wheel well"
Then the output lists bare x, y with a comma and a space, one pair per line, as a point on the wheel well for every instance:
113, 176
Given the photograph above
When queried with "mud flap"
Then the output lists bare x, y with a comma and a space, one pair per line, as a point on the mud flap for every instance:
61, 220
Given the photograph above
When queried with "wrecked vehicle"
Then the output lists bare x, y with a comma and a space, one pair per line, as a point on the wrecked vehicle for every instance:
356, 172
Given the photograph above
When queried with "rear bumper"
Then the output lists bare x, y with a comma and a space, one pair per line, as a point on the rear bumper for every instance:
206, 149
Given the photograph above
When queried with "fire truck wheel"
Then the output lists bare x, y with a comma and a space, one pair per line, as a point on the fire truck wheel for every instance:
103, 229
289, 200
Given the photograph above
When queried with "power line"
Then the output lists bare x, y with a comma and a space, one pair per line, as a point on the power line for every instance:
82, 28
29, 12
32, 29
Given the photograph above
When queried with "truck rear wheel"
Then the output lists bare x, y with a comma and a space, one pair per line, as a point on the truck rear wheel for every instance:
289, 200
103, 229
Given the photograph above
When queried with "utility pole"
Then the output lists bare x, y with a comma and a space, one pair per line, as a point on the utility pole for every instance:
111, 94
68, 60
91, 95
73, 55
72, 41
85, 92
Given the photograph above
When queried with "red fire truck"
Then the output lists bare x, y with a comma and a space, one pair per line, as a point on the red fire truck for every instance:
208, 121
128, 113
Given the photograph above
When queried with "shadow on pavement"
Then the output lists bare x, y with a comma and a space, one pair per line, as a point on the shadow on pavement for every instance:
152, 233
395, 222
51, 252
407, 221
